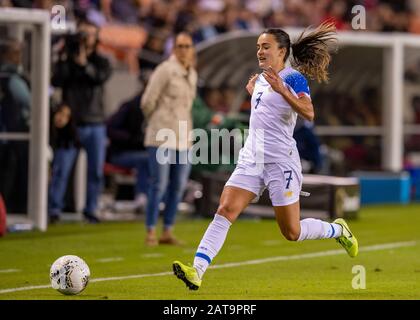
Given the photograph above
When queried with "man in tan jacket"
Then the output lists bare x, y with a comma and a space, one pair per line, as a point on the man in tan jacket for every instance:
166, 104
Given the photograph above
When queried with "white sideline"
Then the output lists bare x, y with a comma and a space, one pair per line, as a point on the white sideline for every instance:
9, 270
238, 264
152, 255
112, 259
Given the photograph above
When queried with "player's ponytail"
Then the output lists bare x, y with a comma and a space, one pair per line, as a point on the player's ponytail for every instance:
310, 53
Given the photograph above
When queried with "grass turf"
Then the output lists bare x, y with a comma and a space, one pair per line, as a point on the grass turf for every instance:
390, 273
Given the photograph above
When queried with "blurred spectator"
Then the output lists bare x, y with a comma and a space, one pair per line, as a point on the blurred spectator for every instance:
16, 98
81, 73
208, 119
15, 104
336, 12
308, 144
370, 107
186, 18
166, 104
65, 144
413, 142
207, 18
153, 51
416, 109
214, 99
207, 26
6, 4
125, 129
121, 11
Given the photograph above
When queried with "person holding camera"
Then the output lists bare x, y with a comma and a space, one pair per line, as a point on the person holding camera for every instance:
81, 73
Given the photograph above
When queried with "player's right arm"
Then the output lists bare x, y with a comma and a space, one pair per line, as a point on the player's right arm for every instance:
251, 83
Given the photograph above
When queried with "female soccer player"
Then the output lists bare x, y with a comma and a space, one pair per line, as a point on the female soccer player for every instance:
269, 158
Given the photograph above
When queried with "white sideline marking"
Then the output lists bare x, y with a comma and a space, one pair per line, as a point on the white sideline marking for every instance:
9, 270
105, 260
238, 264
315, 254
152, 255
271, 242
134, 276
233, 247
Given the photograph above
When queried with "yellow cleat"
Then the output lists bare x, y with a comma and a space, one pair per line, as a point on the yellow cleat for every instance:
187, 274
347, 239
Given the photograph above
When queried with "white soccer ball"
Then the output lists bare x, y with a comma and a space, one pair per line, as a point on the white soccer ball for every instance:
69, 275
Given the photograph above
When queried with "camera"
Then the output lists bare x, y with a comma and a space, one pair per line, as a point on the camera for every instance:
73, 42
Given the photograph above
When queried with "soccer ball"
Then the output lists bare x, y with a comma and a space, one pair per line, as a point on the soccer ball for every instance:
69, 275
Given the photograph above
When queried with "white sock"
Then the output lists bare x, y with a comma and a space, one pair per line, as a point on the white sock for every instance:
311, 229
211, 243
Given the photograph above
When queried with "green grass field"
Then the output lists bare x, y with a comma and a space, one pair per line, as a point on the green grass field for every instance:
123, 268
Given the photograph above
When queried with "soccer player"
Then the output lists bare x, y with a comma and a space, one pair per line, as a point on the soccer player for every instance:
269, 158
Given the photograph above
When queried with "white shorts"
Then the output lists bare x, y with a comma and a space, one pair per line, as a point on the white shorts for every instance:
283, 181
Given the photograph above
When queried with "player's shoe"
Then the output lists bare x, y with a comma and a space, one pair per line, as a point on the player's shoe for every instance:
347, 239
187, 274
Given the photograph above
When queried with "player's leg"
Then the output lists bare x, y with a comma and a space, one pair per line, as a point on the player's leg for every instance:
232, 201
284, 184
288, 220
294, 229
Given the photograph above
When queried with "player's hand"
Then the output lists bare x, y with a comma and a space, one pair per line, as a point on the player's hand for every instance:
251, 83
274, 80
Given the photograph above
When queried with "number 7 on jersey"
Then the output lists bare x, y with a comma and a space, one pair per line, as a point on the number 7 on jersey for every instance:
259, 94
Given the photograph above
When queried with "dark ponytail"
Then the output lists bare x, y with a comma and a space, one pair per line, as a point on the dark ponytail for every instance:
310, 52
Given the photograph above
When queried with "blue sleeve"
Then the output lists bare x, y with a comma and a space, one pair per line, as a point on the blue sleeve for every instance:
298, 83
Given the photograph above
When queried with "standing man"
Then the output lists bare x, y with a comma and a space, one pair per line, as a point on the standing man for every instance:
82, 73
167, 104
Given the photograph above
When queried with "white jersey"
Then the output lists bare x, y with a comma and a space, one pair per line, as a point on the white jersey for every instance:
272, 121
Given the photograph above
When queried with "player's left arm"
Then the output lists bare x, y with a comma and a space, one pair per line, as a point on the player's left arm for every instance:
302, 104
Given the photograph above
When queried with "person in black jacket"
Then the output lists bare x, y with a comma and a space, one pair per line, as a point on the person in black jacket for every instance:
81, 73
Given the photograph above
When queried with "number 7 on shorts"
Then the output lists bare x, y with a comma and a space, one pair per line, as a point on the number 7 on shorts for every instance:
288, 175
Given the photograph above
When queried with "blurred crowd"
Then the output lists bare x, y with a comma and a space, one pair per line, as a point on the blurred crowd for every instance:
129, 25
204, 18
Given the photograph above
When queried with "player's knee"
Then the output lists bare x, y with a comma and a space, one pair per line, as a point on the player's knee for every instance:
291, 234
227, 210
